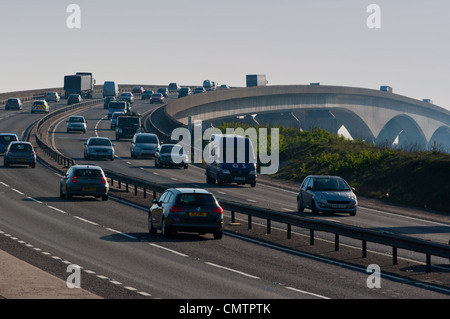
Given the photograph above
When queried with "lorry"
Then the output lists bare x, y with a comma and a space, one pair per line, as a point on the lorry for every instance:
230, 158
81, 83
256, 80
127, 125
209, 85
110, 88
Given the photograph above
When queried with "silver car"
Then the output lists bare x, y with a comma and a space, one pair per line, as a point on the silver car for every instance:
144, 145
76, 123
127, 96
326, 194
99, 147
84, 180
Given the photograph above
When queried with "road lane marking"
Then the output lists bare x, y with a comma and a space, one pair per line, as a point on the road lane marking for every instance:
170, 250
86, 221
120, 233
232, 270
57, 209
307, 293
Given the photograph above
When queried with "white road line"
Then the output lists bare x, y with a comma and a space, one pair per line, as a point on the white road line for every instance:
6, 185
307, 293
232, 270
85, 220
34, 200
17, 191
57, 209
120, 233
170, 250
251, 201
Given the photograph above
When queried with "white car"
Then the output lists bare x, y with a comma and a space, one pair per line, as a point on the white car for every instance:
127, 96
76, 123
52, 97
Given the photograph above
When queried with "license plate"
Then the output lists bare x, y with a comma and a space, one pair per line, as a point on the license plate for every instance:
197, 214
89, 189
338, 206
22, 159
239, 178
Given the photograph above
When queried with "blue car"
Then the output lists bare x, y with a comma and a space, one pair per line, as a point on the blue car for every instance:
5, 139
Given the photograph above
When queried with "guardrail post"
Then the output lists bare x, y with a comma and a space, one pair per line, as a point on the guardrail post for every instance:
288, 231
135, 190
394, 255
364, 248
249, 221
233, 218
336, 242
428, 263
268, 227
145, 192
126, 187
311, 237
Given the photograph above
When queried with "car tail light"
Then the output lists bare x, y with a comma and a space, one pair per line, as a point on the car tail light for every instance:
74, 179
176, 209
217, 210
103, 180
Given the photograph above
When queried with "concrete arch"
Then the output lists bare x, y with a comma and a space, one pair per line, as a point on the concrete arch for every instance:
440, 140
403, 132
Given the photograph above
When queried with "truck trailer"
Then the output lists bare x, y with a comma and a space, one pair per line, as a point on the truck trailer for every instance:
256, 80
80, 83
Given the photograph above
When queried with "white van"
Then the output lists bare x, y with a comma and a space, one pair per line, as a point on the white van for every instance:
110, 88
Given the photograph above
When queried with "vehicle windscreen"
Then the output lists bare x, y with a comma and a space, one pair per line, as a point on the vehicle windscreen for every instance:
6, 139
128, 121
99, 142
330, 184
116, 105
166, 149
196, 199
146, 139
76, 119
88, 173
236, 150
21, 147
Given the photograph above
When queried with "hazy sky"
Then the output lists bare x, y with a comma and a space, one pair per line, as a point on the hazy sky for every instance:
291, 41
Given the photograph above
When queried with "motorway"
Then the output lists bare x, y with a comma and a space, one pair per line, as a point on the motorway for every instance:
110, 241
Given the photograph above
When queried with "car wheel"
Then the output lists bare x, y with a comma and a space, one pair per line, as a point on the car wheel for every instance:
164, 230
186, 166
151, 229
68, 196
300, 207
353, 214
253, 184
61, 195
313, 207
33, 165
218, 234
6, 164
105, 197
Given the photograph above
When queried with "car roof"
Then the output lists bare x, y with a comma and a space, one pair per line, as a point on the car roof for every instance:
3, 134
85, 166
98, 138
20, 142
189, 190
325, 176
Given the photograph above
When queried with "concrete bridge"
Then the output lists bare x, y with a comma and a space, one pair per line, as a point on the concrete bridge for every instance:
375, 116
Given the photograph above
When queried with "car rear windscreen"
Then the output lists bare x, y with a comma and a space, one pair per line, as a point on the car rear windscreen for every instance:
196, 199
